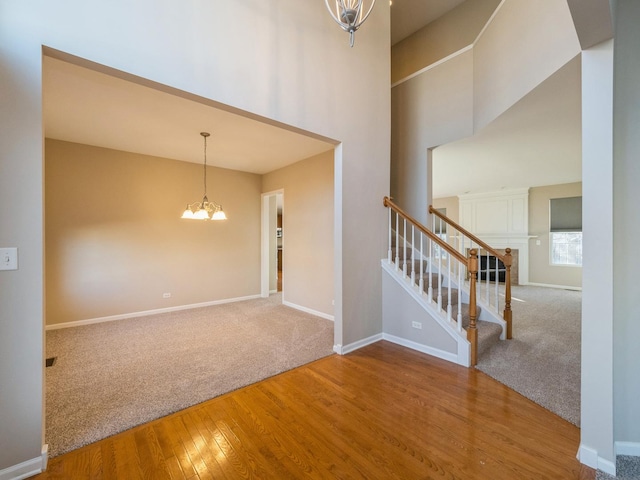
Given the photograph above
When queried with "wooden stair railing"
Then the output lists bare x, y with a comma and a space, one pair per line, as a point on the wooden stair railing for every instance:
470, 262
505, 258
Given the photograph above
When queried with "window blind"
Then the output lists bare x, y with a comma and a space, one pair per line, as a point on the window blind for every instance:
565, 214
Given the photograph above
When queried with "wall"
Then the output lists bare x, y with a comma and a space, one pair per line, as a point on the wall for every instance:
540, 268
524, 44
307, 231
597, 379
452, 204
458, 97
431, 109
115, 241
453, 31
268, 66
626, 198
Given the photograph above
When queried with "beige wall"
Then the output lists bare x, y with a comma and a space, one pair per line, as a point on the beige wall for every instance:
307, 231
452, 204
115, 241
442, 37
540, 268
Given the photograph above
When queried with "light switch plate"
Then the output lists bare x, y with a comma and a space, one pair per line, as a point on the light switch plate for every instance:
8, 258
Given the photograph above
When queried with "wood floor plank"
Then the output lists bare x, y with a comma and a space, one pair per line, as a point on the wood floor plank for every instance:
300, 443
191, 454
382, 412
287, 460
211, 453
150, 454
107, 454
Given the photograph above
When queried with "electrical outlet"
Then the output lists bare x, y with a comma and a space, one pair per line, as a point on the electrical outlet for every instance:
417, 325
166, 295
8, 258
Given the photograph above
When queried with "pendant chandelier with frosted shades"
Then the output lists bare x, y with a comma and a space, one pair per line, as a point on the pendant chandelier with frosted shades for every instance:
204, 210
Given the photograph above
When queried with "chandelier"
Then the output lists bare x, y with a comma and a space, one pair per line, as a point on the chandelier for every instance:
204, 210
349, 14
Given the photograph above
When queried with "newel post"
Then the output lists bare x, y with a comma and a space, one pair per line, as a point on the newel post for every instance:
507, 292
472, 331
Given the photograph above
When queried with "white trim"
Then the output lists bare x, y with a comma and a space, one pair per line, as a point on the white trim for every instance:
510, 192
628, 448
549, 285
590, 458
45, 456
352, 347
26, 469
308, 310
146, 313
448, 356
433, 65
486, 25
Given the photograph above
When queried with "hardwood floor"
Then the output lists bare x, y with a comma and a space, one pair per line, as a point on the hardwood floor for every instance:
382, 412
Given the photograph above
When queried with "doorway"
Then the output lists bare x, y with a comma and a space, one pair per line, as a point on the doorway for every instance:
272, 256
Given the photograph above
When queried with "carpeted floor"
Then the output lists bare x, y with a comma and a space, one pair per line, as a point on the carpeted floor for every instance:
111, 376
627, 468
542, 361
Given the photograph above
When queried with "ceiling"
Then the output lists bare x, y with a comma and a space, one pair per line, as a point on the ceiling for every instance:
409, 16
85, 106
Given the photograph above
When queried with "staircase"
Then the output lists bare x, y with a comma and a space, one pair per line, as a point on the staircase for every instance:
438, 293
489, 332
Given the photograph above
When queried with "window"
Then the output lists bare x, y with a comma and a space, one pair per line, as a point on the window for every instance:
565, 227
566, 248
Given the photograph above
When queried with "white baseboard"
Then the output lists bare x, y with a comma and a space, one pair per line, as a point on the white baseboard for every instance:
352, 347
27, 469
549, 285
145, 313
590, 458
309, 310
450, 357
628, 448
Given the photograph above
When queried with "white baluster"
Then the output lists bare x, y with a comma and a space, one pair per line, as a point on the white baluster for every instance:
487, 275
390, 233
430, 292
459, 319
397, 240
421, 283
413, 255
439, 298
404, 247
496, 290
449, 293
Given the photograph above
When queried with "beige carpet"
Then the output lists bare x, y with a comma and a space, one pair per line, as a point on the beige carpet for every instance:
542, 361
111, 376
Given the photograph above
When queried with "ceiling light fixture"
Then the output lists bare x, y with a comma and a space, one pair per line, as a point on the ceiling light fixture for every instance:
349, 14
204, 210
